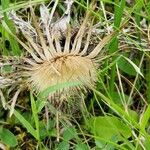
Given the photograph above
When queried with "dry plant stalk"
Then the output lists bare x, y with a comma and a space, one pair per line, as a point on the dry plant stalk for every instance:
49, 61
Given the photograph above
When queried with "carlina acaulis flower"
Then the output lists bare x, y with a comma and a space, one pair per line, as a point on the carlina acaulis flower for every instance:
49, 61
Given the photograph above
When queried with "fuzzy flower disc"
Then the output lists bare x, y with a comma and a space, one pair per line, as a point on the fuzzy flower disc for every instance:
62, 69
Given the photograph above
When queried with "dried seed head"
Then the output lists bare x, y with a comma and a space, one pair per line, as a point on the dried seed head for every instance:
52, 62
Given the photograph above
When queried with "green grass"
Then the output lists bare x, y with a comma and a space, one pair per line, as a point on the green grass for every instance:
14, 45
114, 115
118, 12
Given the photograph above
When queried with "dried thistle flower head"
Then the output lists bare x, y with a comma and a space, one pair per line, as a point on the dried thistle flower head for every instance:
50, 60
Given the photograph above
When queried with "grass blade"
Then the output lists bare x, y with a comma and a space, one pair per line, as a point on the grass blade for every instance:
119, 8
26, 124
35, 115
52, 89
